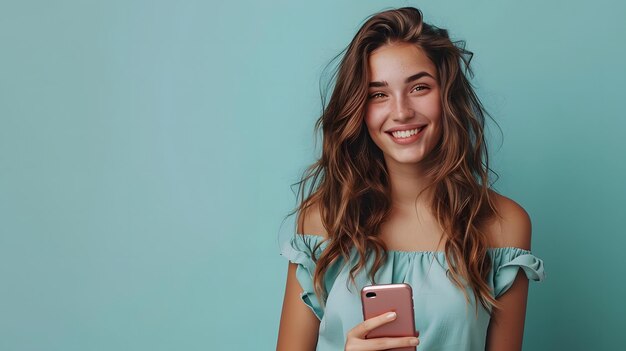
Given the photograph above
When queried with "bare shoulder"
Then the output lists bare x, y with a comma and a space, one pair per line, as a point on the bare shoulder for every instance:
310, 221
513, 227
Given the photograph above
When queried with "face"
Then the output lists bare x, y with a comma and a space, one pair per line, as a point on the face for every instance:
403, 96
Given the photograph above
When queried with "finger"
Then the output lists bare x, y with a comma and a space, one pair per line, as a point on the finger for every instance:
388, 343
368, 325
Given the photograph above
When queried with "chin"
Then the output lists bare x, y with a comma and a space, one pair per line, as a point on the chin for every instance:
407, 159
410, 161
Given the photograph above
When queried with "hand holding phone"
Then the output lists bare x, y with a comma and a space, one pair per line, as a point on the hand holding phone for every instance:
388, 319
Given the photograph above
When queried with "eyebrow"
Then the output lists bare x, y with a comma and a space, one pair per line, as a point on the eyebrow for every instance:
408, 80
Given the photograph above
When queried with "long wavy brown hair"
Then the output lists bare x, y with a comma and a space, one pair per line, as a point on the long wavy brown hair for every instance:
349, 181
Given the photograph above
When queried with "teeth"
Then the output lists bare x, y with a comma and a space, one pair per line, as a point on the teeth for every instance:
405, 133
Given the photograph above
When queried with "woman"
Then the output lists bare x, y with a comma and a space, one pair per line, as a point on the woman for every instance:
402, 182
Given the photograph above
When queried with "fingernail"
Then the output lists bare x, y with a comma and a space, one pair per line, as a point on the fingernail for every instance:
391, 315
414, 341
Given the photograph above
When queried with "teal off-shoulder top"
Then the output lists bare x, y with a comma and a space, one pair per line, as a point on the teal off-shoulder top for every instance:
442, 316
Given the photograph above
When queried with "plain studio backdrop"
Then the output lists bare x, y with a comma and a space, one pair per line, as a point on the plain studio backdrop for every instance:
147, 149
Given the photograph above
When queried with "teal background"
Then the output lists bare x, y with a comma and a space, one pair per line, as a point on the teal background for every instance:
147, 150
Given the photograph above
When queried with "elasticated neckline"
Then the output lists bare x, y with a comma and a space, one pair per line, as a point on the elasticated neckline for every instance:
317, 238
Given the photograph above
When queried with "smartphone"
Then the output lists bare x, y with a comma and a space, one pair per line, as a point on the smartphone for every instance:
382, 298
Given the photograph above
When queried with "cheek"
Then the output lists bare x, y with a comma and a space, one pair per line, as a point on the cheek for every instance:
370, 124
434, 108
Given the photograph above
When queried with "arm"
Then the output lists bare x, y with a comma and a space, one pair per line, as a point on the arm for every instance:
298, 324
506, 327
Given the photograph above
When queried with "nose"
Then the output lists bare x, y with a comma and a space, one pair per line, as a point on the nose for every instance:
403, 110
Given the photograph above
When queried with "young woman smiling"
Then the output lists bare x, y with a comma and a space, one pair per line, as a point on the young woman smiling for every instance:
401, 194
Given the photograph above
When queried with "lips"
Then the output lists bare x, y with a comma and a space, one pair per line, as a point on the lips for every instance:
419, 129
408, 140
406, 127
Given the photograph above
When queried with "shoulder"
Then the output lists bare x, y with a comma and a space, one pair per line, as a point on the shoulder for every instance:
310, 221
512, 227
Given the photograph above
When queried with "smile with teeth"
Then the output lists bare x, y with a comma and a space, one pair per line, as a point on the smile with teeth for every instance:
406, 133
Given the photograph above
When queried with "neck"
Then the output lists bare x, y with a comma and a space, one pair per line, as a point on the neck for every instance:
407, 181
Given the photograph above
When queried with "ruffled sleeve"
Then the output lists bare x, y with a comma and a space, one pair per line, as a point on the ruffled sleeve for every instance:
297, 249
507, 261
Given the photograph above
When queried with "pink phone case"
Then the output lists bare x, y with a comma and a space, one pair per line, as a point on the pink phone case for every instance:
382, 298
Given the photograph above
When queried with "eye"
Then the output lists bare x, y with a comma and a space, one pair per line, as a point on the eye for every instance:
421, 86
374, 95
